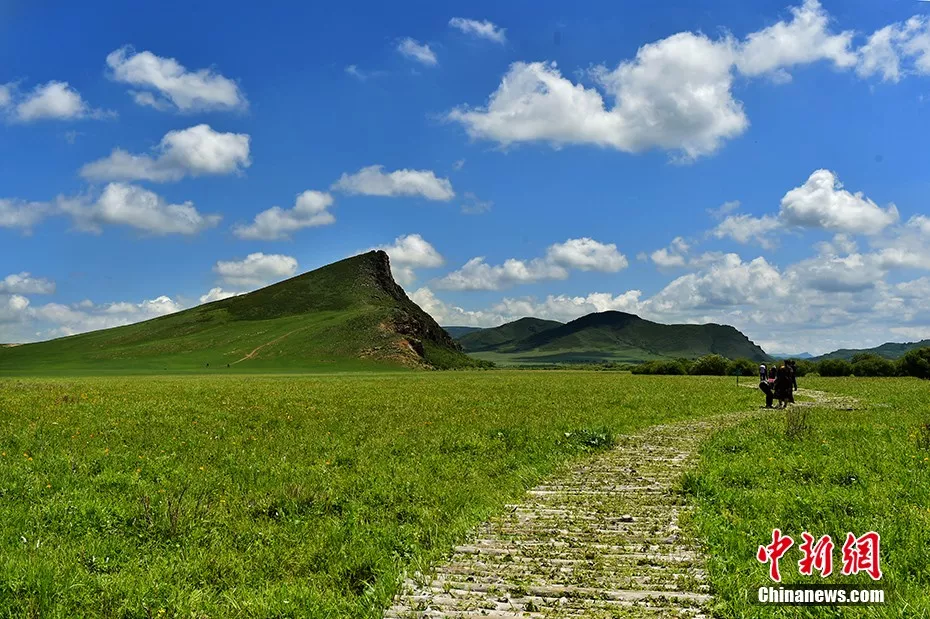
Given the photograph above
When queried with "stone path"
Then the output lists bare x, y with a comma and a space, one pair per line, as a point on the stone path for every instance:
600, 540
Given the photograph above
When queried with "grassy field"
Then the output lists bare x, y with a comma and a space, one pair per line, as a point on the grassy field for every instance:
308, 496
860, 470
283, 496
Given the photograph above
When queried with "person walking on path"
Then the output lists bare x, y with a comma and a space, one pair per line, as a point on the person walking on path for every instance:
783, 385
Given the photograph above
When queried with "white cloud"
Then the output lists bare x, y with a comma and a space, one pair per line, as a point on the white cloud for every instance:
419, 52
53, 100
361, 75
409, 252
821, 202
195, 151
803, 40
13, 309
372, 181
725, 283
583, 254
474, 206
452, 315
675, 95
256, 270
188, 91
83, 317
586, 254
724, 209
476, 274
24, 283
748, 229
217, 294
310, 210
888, 47
20, 214
481, 29
130, 205
672, 256
5, 95
920, 223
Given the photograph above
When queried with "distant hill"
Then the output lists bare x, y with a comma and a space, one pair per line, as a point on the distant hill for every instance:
457, 332
784, 355
348, 314
888, 350
606, 336
505, 335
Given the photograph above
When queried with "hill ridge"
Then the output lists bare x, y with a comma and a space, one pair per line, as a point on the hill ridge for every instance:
348, 313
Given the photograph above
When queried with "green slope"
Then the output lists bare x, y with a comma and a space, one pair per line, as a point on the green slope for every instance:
350, 314
888, 350
618, 336
505, 335
457, 332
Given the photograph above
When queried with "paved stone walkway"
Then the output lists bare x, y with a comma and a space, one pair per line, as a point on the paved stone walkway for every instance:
601, 540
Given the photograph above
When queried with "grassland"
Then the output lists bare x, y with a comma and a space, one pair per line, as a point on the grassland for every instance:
308, 496
282, 496
837, 471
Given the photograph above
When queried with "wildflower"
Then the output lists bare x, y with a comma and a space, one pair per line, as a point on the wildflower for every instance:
201, 468
48, 485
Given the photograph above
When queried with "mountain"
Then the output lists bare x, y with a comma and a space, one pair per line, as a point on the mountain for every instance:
888, 350
505, 335
785, 355
457, 332
608, 336
348, 314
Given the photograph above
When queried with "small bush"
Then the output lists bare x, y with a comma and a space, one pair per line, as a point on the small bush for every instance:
834, 367
915, 363
803, 367
872, 365
659, 367
710, 365
742, 367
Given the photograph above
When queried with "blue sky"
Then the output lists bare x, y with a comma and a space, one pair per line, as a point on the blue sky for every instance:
757, 164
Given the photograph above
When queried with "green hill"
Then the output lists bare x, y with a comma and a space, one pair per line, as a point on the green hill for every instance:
888, 350
616, 336
505, 335
457, 332
349, 314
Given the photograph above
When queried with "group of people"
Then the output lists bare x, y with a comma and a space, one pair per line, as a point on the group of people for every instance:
778, 382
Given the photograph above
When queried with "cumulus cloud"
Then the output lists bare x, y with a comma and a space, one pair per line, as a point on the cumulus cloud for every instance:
821, 202
672, 256
586, 254
168, 84
582, 254
133, 206
52, 100
748, 229
310, 210
217, 294
372, 181
675, 95
803, 40
256, 270
195, 151
481, 29
24, 283
888, 48
475, 206
409, 252
420, 52
21, 214
724, 209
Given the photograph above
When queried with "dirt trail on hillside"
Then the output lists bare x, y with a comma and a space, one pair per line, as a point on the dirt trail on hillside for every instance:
252, 354
601, 539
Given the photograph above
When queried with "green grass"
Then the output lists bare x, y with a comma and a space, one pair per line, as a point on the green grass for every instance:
283, 496
849, 471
